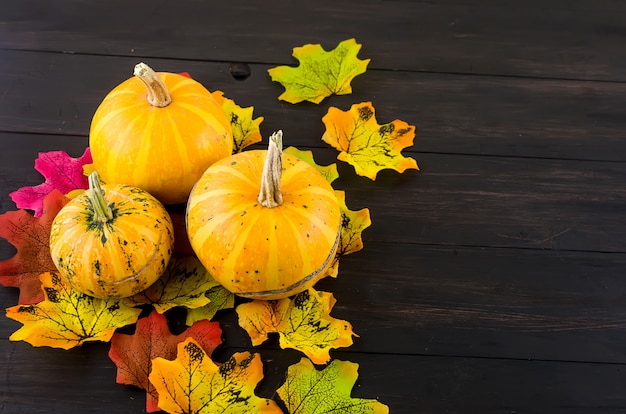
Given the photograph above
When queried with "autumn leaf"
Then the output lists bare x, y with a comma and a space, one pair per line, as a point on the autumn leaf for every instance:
219, 298
329, 171
366, 145
61, 172
320, 73
352, 225
185, 282
192, 383
245, 128
31, 237
303, 323
133, 354
308, 390
68, 318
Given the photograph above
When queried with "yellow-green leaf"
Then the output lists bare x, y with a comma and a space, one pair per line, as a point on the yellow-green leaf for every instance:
303, 323
352, 225
366, 145
219, 298
67, 318
245, 128
320, 73
329, 171
193, 384
185, 282
309, 391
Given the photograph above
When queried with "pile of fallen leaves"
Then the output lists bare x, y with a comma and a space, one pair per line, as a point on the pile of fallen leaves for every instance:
177, 371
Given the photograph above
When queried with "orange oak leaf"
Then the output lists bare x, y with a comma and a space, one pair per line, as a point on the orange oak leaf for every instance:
308, 390
245, 128
133, 354
303, 323
193, 383
30, 236
67, 318
61, 172
366, 145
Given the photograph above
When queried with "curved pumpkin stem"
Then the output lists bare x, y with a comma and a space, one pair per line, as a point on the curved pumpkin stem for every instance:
158, 95
270, 195
101, 210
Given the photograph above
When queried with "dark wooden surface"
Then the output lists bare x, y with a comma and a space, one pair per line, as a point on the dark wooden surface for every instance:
492, 281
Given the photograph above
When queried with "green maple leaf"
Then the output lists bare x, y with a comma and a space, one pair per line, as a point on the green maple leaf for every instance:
219, 298
67, 318
307, 390
320, 73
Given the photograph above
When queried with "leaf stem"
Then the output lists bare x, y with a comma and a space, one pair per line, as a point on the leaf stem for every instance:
270, 195
102, 213
158, 95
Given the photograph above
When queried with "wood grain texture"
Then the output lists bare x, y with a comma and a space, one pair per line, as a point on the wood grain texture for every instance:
559, 39
492, 280
58, 93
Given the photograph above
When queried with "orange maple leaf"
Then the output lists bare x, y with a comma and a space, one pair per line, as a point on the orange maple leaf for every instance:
133, 354
30, 236
366, 145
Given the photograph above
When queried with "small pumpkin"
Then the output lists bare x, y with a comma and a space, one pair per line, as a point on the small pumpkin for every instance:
159, 132
111, 241
265, 224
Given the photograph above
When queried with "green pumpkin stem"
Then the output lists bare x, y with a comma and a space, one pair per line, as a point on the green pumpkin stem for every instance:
158, 95
270, 195
101, 210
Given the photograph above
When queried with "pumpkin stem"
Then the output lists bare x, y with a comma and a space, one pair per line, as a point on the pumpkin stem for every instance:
101, 210
270, 195
158, 95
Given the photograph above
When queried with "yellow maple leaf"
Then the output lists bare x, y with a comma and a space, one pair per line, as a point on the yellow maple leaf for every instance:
366, 145
245, 128
303, 323
352, 225
219, 298
308, 391
67, 318
320, 73
192, 383
185, 282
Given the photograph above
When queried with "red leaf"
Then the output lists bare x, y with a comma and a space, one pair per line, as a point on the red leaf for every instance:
30, 236
61, 172
133, 354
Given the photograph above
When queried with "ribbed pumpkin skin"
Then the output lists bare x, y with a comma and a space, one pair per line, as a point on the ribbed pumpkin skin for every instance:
261, 252
117, 259
161, 150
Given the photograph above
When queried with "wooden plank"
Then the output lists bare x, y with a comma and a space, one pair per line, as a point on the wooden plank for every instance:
558, 39
52, 93
39, 380
454, 200
489, 303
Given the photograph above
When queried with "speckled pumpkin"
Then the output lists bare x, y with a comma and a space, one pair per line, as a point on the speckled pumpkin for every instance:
264, 224
160, 132
111, 241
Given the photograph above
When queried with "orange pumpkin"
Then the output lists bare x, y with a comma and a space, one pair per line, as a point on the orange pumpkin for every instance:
264, 224
158, 132
111, 241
